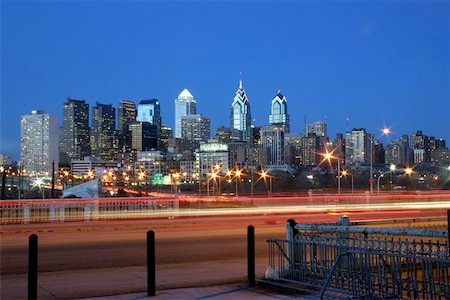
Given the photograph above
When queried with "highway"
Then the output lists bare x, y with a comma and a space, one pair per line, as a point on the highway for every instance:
113, 244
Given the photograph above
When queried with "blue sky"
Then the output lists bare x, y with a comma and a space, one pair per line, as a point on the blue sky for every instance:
376, 62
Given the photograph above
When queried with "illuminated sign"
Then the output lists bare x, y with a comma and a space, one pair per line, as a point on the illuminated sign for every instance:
213, 147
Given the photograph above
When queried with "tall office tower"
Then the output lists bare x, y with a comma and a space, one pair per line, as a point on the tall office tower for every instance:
310, 150
185, 105
420, 144
240, 117
150, 111
39, 143
272, 143
126, 114
196, 128
357, 147
75, 132
143, 136
279, 112
319, 128
397, 153
293, 149
166, 134
103, 131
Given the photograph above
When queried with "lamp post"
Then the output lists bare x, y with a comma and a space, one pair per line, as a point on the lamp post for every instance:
385, 131
264, 175
237, 176
345, 173
329, 156
391, 170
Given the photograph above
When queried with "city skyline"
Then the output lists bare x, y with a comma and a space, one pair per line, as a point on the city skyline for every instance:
391, 67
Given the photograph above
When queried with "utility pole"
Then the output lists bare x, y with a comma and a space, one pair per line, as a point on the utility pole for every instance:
52, 193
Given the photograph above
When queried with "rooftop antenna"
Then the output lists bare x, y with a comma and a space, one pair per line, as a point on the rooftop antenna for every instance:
240, 80
347, 120
304, 123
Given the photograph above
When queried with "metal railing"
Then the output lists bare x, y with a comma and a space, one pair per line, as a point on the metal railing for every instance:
343, 269
59, 210
361, 262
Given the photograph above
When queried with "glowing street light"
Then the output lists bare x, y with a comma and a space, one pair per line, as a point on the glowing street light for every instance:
264, 175
408, 171
39, 182
237, 175
392, 169
328, 156
346, 173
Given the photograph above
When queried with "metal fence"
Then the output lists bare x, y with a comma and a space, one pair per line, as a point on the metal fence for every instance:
344, 262
39, 211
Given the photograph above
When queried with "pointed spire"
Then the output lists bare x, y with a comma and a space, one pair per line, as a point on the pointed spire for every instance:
240, 80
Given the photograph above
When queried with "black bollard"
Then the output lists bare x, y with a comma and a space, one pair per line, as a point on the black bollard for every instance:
251, 255
151, 278
32, 266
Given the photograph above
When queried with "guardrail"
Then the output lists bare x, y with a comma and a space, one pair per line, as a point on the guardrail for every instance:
338, 260
59, 210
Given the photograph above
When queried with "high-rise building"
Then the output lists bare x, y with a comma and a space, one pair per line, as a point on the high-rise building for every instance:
357, 147
339, 147
240, 117
420, 144
293, 149
126, 115
196, 128
319, 128
75, 132
279, 112
310, 150
103, 132
185, 105
143, 136
166, 134
272, 143
39, 143
397, 153
150, 111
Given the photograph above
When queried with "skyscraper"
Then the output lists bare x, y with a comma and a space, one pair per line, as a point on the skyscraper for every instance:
420, 144
39, 143
279, 113
185, 105
272, 143
126, 115
103, 134
143, 136
319, 128
240, 117
150, 111
357, 147
74, 138
196, 128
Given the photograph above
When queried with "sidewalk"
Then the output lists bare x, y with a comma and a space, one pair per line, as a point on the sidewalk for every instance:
207, 280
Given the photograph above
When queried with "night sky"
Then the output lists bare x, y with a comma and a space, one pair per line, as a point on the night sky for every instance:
379, 63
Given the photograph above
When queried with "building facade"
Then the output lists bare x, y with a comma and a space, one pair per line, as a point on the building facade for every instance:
103, 134
126, 114
150, 111
39, 137
357, 147
185, 105
279, 112
240, 117
75, 132
196, 128
143, 136
272, 143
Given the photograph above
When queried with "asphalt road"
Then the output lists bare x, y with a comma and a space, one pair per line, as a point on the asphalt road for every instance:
110, 244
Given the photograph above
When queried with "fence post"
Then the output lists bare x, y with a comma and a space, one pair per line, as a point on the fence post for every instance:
151, 278
251, 255
32, 266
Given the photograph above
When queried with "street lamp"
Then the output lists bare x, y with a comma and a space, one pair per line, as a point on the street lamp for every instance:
385, 131
329, 156
264, 175
237, 175
391, 170
346, 173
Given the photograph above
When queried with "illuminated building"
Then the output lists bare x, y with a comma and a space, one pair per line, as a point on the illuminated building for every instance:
103, 134
185, 105
240, 117
39, 143
75, 132
279, 113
